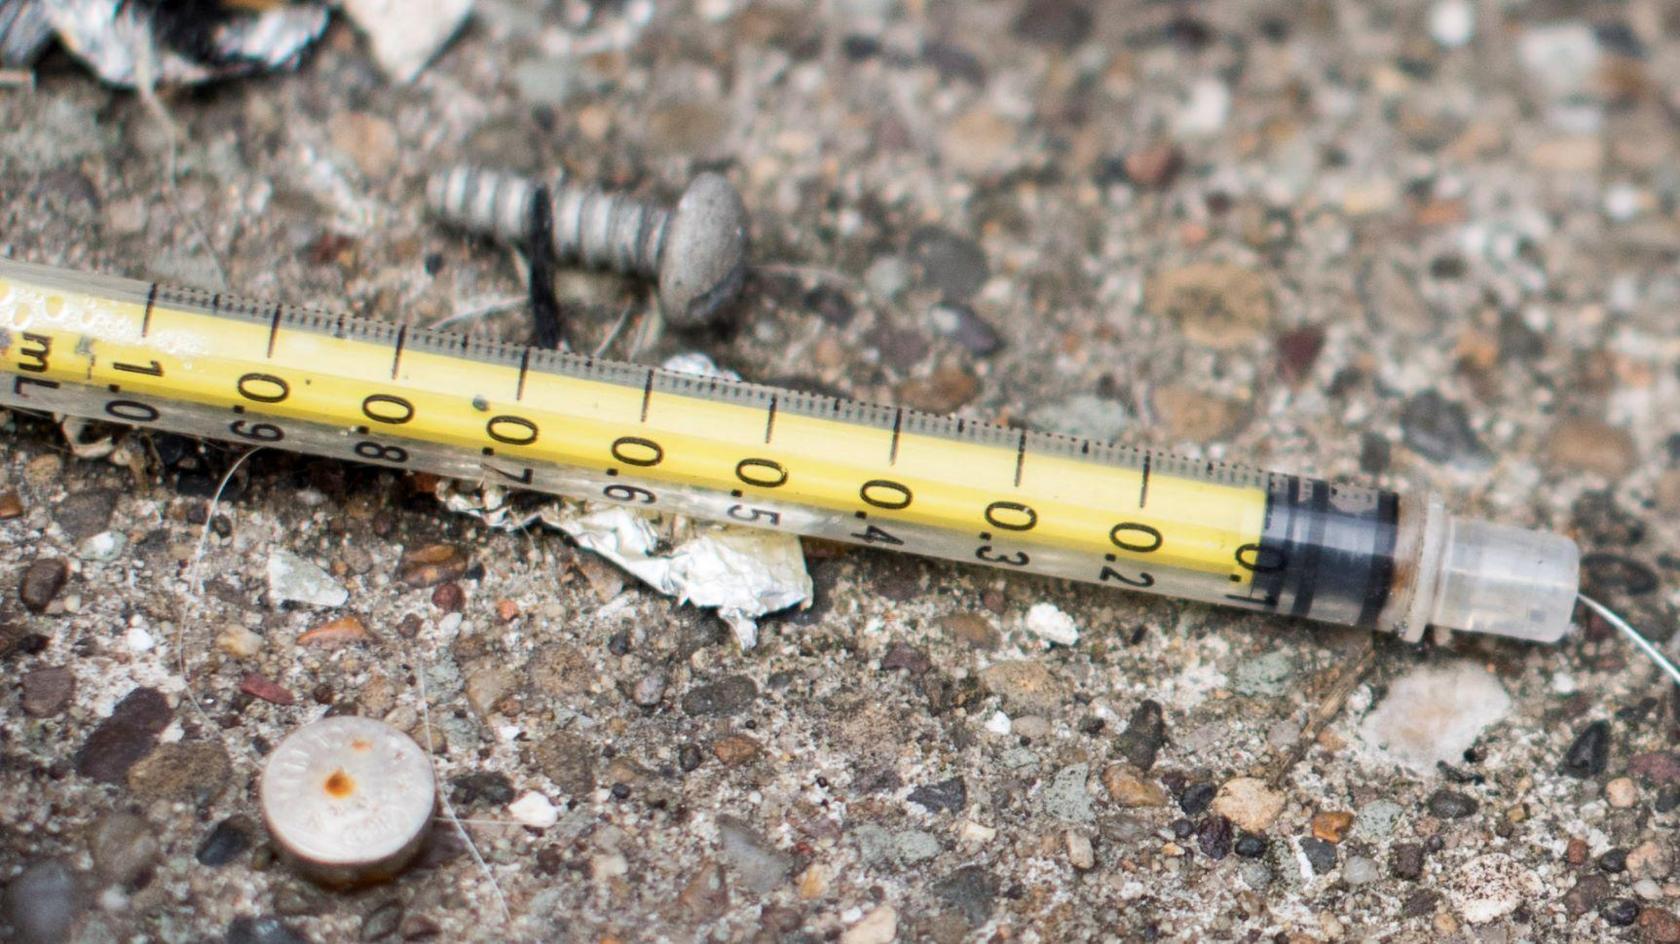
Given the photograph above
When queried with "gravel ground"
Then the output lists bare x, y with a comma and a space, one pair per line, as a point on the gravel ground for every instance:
1422, 245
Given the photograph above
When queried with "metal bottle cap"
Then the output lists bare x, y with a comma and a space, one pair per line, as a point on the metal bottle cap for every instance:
348, 799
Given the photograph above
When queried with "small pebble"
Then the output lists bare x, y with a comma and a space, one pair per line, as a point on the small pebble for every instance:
239, 642
231, 837
334, 633
1249, 802
1214, 836
1196, 798
1450, 804
1080, 854
124, 848
1613, 860
1048, 622
259, 686
121, 740
649, 690
727, 696
265, 930
946, 796
41, 583
383, 921
11, 506
43, 901
1146, 732
879, 926
1621, 793
449, 597
1066, 796
1649, 859
432, 564
1250, 846
1320, 855
1589, 753
1581, 444
962, 325
1126, 788
1360, 870
1440, 431
1620, 912
1405, 861
1154, 167
735, 749
1331, 826
47, 690
535, 810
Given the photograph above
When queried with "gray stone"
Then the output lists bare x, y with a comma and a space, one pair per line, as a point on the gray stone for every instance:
121, 740
649, 690
881, 847
1256, 874
47, 690
86, 513
947, 795
124, 848
41, 582
1067, 798
961, 324
759, 865
264, 930
1375, 820
43, 901
1439, 430
568, 760
971, 890
725, 697
951, 264
231, 837
1267, 675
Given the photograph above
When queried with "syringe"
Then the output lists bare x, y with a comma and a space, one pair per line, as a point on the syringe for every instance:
212, 366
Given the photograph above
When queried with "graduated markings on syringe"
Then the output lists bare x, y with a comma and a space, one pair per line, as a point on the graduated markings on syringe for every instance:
213, 366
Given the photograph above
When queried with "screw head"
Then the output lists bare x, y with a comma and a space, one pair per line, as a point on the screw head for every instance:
704, 260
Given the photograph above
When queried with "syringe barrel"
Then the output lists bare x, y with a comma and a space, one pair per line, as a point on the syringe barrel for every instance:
419, 400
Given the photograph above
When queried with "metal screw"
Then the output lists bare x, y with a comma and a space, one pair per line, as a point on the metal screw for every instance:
697, 251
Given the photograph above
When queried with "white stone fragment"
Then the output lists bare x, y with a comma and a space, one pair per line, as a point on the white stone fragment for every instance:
1048, 622
1206, 108
1561, 58
1433, 713
138, 640
998, 723
291, 579
104, 546
1452, 23
534, 809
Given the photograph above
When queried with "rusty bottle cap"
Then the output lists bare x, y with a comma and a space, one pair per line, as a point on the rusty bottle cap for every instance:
348, 799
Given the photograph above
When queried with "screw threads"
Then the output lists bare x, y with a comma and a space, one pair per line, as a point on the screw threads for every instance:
592, 226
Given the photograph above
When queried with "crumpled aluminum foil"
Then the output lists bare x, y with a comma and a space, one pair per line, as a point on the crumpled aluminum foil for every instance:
116, 39
743, 573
